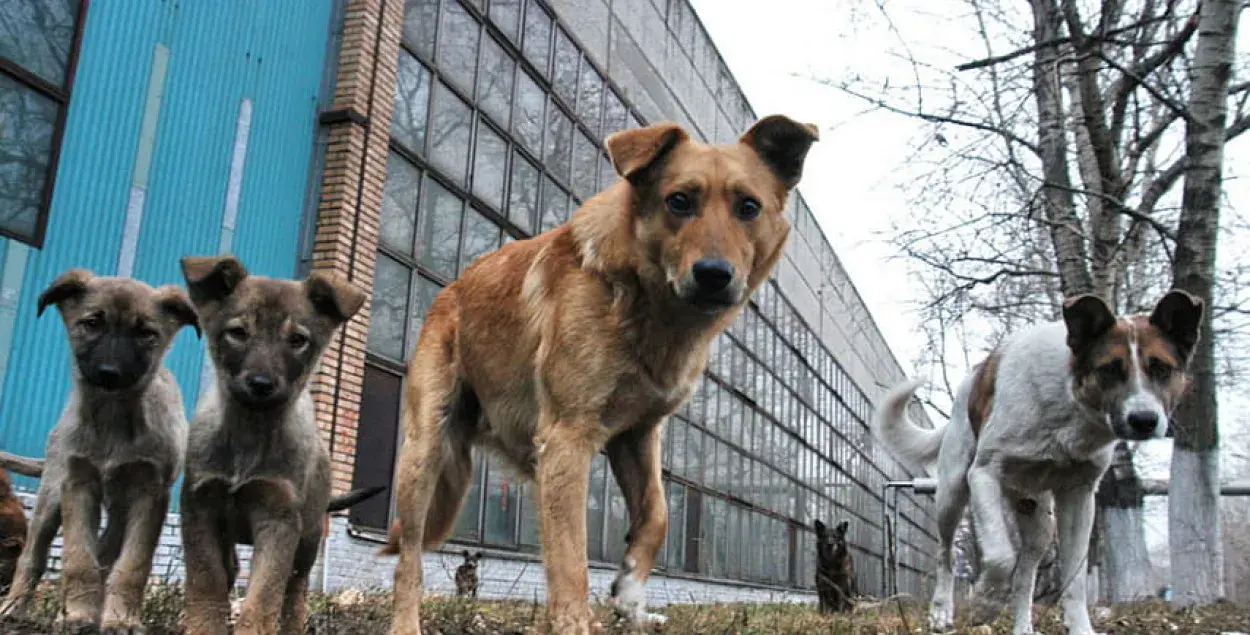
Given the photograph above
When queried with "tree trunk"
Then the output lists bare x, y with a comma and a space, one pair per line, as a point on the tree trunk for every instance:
1057, 201
1126, 560
1193, 503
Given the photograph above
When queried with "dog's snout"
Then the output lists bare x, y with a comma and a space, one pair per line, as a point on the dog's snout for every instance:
260, 384
108, 374
712, 275
1143, 422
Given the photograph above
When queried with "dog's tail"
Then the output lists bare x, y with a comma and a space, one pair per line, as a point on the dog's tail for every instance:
916, 447
352, 498
21, 465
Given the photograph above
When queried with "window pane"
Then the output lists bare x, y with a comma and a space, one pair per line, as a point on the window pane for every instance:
618, 524
470, 514
590, 99
481, 236
607, 173
423, 298
564, 78
555, 203
26, 123
585, 162
490, 166
412, 102
420, 18
679, 454
399, 204
457, 45
501, 505
494, 82
559, 141
596, 507
527, 114
676, 541
451, 129
537, 46
529, 518
390, 306
523, 196
506, 14
38, 34
615, 117
440, 229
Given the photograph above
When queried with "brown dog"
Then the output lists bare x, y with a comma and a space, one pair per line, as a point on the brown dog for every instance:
590, 334
257, 472
12, 531
117, 447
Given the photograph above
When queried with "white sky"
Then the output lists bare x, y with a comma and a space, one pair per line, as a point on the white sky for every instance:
848, 180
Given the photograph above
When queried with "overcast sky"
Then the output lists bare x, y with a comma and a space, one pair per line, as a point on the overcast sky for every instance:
848, 180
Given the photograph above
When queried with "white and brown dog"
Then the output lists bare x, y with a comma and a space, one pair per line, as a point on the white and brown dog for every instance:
1032, 430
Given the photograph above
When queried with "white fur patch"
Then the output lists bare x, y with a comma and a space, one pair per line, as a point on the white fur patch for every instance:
630, 599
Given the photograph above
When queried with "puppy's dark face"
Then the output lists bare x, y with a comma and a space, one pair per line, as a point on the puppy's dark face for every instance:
119, 328
266, 335
470, 560
1132, 369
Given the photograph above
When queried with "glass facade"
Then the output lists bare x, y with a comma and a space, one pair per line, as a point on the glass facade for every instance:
499, 120
38, 48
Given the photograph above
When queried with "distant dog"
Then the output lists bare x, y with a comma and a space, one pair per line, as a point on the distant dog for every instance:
588, 335
835, 574
12, 531
466, 574
1033, 428
118, 447
257, 472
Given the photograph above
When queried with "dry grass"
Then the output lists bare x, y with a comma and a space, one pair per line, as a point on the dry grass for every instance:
369, 613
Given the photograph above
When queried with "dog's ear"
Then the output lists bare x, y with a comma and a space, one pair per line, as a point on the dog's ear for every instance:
839, 531
633, 151
820, 528
1088, 318
69, 286
782, 143
212, 278
333, 297
174, 302
1179, 316
477, 556
466, 554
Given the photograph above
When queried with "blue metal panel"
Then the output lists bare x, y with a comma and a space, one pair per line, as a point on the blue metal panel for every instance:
271, 52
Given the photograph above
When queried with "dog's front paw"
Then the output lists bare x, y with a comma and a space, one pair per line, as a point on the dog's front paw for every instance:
629, 596
941, 617
122, 629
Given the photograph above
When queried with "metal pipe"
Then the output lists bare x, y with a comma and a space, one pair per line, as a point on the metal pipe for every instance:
889, 528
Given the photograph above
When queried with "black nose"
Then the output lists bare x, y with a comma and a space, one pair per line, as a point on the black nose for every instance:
260, 384
108, 374
1144, 421
712, 274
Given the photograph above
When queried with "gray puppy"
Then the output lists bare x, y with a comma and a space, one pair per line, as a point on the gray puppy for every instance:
118, 446
257, 472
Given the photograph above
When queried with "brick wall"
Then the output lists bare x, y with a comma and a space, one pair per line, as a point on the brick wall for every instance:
346, 241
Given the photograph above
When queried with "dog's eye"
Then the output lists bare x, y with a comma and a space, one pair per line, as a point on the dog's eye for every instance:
92, 322
297, 341
236, 334
1112, 371
748, 208
680, 204
1160, 370
149, 335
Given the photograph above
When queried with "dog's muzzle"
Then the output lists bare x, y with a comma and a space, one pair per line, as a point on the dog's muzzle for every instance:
712, 285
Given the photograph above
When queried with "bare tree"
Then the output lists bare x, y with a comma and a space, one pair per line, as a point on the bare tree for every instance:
1194, 519
1048, 168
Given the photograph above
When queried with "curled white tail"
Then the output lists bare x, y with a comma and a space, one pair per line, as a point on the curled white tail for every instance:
915, 447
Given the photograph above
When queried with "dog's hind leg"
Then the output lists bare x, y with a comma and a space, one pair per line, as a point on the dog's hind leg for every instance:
44, 523
82, 583
952, 499
1035, 519
635, 461
123, 601
430, 414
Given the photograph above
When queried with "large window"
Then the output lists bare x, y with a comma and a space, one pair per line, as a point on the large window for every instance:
38, 49
497, 135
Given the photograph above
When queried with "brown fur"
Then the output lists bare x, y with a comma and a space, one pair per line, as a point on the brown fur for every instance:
981, 397
117, 448
1102, 345
12, 530
588, 336
257, 472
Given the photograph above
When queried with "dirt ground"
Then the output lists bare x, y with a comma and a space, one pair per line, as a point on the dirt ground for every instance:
369, 613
